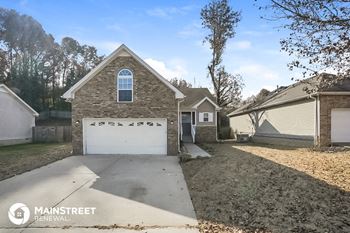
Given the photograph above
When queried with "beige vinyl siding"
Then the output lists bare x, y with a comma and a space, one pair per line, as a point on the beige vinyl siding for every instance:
241, 124
206, 106
296, 120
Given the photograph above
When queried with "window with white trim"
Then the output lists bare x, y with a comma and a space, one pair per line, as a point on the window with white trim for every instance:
125, 86
205, 117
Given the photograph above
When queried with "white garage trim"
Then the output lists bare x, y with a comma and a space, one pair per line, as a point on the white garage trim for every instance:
124, 136
340, 125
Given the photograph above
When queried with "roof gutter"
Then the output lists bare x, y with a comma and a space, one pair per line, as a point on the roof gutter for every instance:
271, 105
291, 101
333, 93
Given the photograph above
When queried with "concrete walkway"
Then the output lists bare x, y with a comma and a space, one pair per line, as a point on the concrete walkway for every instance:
128, 193
195, 151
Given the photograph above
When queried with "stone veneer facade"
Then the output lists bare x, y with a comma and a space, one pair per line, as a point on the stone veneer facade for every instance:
98, 99
327, 103
205, 134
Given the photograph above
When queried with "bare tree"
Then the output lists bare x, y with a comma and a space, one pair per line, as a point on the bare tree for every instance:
180, 83
319, 35
220, 19
228, 88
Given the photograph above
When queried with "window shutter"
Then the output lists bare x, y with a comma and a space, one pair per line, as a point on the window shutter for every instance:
201, 117
210, 117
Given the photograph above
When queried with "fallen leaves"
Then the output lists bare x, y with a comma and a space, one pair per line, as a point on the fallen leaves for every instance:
260, 189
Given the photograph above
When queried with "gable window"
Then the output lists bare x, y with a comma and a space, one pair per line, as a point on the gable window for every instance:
125, 86
205, 117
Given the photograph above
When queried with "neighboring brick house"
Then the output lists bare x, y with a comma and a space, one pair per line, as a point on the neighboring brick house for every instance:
123, 106
291, 116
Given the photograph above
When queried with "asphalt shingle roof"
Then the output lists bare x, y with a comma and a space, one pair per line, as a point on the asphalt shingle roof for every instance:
194, 95
293, 92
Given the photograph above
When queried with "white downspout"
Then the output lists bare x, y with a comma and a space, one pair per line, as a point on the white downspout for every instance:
178, 125
216, 124
317, 119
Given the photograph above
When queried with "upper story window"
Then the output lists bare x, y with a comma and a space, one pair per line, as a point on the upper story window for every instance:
125, 86
205, 117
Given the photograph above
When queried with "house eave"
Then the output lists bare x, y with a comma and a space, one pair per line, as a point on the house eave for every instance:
334, 93
20, 100
196, 105
290, 101
305, 97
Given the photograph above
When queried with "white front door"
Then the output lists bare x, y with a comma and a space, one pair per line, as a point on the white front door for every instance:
340, 125
125, 136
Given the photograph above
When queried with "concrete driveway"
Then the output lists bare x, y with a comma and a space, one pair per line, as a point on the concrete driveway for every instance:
109, 194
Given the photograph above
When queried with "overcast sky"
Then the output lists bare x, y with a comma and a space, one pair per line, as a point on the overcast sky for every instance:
168, 35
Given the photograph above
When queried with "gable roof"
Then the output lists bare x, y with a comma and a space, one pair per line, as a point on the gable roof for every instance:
293, 93
206, 99
120, 51
19, 100
196, 96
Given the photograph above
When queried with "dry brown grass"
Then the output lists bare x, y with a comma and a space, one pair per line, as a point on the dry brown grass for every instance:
256, 188
331, 167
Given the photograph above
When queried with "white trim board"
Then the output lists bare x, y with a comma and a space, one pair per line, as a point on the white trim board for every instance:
122, 50
9, 91
208, 99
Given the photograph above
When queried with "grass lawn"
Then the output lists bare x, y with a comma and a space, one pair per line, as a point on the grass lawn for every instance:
16, 159
258, 188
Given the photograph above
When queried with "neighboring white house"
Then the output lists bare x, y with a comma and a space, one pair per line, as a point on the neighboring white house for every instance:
291, 116
16, 118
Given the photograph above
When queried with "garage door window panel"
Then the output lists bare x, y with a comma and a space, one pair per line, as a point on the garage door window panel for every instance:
125, 86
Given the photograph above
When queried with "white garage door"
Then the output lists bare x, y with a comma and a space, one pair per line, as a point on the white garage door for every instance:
340, 125
125, 136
